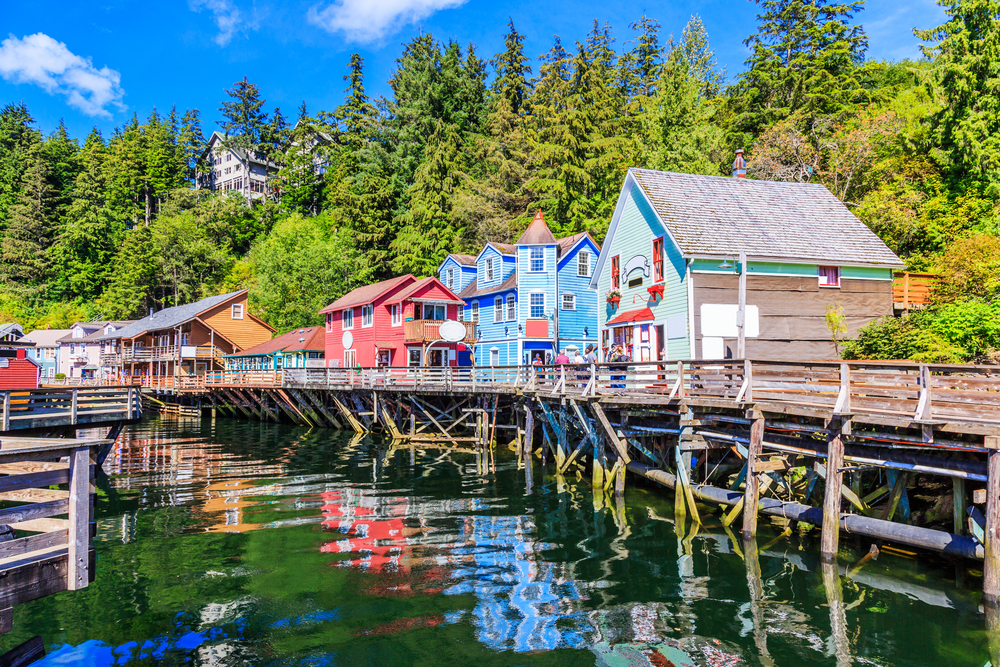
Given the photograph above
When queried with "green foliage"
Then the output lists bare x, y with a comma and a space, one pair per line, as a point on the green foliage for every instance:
299, 268
836, 323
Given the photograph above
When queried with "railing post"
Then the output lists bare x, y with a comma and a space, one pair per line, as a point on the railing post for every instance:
924, 404
844, 398
78, 561
6, 411
72, 410
562, 378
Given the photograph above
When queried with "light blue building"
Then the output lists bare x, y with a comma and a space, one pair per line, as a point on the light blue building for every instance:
529, 299
46, 350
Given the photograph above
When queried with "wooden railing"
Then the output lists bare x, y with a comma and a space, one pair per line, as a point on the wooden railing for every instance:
49, 554
36, 408
913, 289
919, 392
425, 331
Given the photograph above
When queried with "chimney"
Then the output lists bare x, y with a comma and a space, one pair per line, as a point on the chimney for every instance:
739, 165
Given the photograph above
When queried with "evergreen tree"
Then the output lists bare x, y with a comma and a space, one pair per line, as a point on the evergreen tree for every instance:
191, 143
244, 121
88, 238
804, 59
429, 234
62, 154
511, 72
130, 290
966, 50
17, 138
701, 58
23, 258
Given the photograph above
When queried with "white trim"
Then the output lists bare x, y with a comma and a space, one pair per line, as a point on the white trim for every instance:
544, 304
233, 310
579, 256
562, 301
569, 253
371, 314
690, 309
490, 244
499, 301
396, 315
806, 262
343, 319
530, 259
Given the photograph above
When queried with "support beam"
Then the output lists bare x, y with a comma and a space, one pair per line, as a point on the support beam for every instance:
991, 560
830, 538
755, 449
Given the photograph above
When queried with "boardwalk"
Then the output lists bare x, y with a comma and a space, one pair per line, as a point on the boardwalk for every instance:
843, 446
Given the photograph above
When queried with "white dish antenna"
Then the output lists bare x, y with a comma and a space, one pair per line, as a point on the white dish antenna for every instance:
347, 340
451, 331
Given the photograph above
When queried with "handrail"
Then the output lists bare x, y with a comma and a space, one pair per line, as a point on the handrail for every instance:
919, 392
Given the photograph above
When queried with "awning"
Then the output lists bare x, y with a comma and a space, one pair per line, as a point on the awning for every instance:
638, 315
383, 345
90, 367
537, 345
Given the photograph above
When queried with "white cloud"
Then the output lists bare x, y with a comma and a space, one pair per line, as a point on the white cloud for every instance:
43, 61
228, 18
371, 20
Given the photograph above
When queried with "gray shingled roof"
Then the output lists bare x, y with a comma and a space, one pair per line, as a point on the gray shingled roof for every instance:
473, 290
714, 215
169, 317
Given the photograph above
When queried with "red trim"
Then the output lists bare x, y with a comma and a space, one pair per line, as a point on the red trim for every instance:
638, 315
616, 282
657, 279
656, 289
819, 276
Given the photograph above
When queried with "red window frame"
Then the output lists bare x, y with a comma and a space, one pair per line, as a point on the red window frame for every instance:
615, 277
658, 260
824, 273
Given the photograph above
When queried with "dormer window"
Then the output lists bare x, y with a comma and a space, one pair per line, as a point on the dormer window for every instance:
237, 311
489, 269
450, 273
583, 264
536, 262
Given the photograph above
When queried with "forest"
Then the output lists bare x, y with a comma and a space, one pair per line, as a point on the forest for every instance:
466, 147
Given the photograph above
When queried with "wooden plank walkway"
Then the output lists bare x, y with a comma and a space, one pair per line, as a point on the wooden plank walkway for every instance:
53, 407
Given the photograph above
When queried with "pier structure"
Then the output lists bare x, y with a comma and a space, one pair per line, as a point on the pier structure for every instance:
838, 445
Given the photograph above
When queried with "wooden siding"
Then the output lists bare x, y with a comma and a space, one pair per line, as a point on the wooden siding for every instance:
573, 322
244, 333
637, 227
792, 311
19, 374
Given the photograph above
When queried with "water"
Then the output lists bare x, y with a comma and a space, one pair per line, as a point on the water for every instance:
232, 543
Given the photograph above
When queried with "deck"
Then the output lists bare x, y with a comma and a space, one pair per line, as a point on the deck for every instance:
52, 550
53, 407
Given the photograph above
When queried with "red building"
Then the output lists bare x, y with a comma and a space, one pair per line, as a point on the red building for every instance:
389, 323
17, 371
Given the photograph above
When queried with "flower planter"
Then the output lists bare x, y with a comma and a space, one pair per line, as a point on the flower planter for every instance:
655, 291
614, 301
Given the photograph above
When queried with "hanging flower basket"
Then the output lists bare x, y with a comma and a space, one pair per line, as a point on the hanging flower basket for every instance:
614, 296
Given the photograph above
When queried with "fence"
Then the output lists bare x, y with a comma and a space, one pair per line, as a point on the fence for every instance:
33, 408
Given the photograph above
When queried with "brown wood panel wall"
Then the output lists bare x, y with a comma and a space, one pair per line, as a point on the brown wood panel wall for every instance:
793, 311
245, 333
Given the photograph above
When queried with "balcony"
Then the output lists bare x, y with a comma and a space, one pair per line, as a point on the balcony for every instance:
425, 331
168, 353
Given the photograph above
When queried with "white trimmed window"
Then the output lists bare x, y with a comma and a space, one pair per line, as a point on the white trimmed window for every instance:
537, 305
536, 262
511, 310
237, 311
583, 264
568, 301
350, 358
450, 273
329, 322
498, 309
348, 316
490, 273
475, 311
367, 315
461, 313
394, 312
829, 276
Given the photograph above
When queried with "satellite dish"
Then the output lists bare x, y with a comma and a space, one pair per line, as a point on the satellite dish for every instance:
451, 331
347, 340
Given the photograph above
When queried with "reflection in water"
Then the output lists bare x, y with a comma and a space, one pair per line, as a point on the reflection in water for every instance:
225, 543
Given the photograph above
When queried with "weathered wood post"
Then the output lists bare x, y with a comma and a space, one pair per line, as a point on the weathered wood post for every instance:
991, 559
529, 432
6, 411
958, 505
78, 561
838, 613
73, 405
751, 494
830, 539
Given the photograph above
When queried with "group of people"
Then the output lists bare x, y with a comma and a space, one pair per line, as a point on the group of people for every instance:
615, 355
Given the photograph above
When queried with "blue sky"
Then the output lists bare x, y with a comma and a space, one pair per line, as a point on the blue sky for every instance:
98, 63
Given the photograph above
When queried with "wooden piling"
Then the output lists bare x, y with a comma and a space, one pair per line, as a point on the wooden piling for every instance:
529, 432
991, 556
830, 539
958, 505
751, 494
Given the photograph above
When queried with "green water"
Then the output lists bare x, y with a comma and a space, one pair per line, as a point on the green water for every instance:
232, 543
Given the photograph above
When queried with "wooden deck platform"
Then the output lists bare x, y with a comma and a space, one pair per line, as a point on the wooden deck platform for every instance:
54, 407
52, 548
